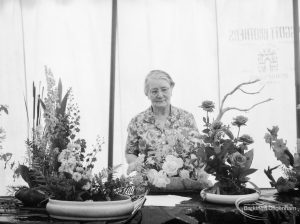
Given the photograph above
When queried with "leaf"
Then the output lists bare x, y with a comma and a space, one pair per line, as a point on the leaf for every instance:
63, 104
206, 130
59, 89
247, 172
24, 171
249, 156
42, 104
4, 108
228, 133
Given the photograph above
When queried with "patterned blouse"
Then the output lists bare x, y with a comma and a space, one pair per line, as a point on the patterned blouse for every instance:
145, 134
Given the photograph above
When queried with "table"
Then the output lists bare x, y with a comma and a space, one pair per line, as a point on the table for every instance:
189, 211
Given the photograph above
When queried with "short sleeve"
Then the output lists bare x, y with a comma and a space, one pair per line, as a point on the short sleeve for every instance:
132, 138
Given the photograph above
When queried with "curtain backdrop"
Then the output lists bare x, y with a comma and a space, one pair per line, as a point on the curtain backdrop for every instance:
178, 37
72, 38
208, 47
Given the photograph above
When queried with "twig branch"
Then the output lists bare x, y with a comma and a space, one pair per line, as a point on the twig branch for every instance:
252, 93
235, 89
222, 112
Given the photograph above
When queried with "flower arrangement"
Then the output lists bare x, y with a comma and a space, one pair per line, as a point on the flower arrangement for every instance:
177, 165
290, 164
59, 164
228, 157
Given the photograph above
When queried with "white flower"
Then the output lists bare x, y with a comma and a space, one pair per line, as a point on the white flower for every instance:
67, 155
66, 167
161, 180
87, 186
202, 176
88, 175
151, 175
76, 176
172, 164
72, 146
184, 174
79, 169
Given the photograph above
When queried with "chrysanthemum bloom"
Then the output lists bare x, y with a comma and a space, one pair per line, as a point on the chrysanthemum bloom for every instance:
76, 176
239, 121
67, 155
67, 167
208, 106
246, 139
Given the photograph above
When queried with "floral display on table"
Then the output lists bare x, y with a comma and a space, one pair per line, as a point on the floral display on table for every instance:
172, 162
290, 164
6, 157
59, 164
228, 156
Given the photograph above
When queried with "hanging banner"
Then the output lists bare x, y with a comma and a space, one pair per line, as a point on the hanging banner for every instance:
256, 42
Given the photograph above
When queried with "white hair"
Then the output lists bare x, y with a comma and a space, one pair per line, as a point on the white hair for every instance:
157, 74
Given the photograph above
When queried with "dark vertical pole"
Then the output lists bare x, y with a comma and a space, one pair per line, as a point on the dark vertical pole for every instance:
112, 84
297, 64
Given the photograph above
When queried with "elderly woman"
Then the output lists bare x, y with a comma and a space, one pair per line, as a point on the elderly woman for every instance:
162, 126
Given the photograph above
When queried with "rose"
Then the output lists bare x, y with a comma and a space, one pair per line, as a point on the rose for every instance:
246, 139
237, 159
239, 121
208, 106
172, 164
216, 125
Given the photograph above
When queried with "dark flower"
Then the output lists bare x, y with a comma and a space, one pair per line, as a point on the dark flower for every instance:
274, 131
246, 139
216, 125
208, 106
268, 138
239, 121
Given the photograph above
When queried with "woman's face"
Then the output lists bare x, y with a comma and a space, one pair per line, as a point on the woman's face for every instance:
160, 92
